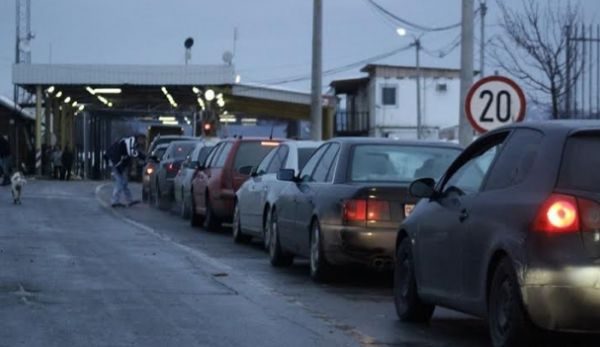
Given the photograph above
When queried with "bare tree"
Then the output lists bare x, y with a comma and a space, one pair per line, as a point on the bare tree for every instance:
534, 48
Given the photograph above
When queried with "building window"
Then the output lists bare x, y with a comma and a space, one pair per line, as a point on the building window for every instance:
388, 96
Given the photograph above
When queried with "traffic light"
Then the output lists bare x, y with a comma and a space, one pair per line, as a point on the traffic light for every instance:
209, 128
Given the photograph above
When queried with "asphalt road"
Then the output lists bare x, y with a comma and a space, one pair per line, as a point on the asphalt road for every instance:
74, 272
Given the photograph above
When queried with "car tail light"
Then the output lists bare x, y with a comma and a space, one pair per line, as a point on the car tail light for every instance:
355, 210
366, 210
172, 167
589, 215
558, 214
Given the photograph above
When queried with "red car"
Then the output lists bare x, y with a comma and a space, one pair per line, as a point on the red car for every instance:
216, 181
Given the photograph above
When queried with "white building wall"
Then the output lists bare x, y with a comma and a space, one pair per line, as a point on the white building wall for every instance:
439, 108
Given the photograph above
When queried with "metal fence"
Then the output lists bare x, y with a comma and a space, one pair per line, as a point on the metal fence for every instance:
582, 99
352, 123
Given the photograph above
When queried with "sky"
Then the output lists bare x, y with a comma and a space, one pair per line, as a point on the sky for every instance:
274, 36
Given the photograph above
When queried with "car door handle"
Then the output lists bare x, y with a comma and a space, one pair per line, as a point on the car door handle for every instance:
463, 215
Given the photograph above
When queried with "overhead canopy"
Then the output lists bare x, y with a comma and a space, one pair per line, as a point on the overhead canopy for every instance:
145, 88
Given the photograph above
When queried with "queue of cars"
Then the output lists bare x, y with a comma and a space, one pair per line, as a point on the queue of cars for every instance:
507, 230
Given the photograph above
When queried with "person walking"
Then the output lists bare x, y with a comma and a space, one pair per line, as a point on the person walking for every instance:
67, 163
4, 160
57, 162
120, 155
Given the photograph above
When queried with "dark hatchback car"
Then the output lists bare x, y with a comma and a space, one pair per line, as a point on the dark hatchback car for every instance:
148, 178
511, 233
162, 192
346, 204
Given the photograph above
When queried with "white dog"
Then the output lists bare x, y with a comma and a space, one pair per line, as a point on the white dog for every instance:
17, 182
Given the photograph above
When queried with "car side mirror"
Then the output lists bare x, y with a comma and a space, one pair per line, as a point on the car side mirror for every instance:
254, 172
287, 175
422, 188
246, 170
200, 166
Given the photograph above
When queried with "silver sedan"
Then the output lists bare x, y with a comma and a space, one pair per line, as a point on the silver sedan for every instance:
256, 195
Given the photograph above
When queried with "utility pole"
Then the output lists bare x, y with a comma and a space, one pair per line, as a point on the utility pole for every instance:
419, 115
316, 107
465, 133
483, 9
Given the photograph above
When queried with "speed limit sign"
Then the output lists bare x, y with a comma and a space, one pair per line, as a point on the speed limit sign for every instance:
494, 101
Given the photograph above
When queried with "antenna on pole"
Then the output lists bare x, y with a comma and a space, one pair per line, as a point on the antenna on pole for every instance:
271, 135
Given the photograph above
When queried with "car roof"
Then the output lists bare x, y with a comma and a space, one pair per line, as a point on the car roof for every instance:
562, 127
388, 141
303, 143
180, 142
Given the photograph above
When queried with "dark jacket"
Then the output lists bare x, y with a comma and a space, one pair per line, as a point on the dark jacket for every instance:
120, 153
4, 147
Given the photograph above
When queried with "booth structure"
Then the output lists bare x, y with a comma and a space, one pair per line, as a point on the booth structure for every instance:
18, 126
75, 104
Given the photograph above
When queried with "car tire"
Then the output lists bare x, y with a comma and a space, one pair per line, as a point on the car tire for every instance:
157, 198
238, 235
276, 255
184, 210
409, 306
507, 320
195, 219
320, 269
267, 230
211, 222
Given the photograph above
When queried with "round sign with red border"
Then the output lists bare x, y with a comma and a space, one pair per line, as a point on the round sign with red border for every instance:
494, 101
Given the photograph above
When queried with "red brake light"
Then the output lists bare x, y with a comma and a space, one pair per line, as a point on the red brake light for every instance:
355, 210
378, 210
589, 214
366, 210
558, 214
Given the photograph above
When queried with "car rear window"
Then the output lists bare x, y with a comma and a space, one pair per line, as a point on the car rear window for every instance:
180, 151
159, 152
580, 169
204, 152
399, 163
303, 156
252, 153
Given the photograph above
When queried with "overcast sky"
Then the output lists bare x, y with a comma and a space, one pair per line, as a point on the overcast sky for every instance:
274, 35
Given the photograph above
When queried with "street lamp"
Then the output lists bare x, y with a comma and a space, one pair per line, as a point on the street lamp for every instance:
417, 44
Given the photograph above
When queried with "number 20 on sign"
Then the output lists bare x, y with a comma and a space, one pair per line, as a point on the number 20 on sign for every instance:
494, 101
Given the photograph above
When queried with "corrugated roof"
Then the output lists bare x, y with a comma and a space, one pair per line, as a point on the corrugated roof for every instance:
159, 75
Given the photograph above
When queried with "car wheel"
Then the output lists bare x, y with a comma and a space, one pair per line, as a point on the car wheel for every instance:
409, 306
195, 219
184, 210
320, 270
211, 222
238, 236
267, 230
158, 198
276, 255
508, 323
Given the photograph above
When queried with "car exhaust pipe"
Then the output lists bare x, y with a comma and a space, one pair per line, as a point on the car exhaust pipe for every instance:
382, 264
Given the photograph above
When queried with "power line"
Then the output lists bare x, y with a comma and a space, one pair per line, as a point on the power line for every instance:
416, 26
339, 69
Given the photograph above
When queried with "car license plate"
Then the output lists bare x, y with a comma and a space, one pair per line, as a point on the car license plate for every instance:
408, 208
